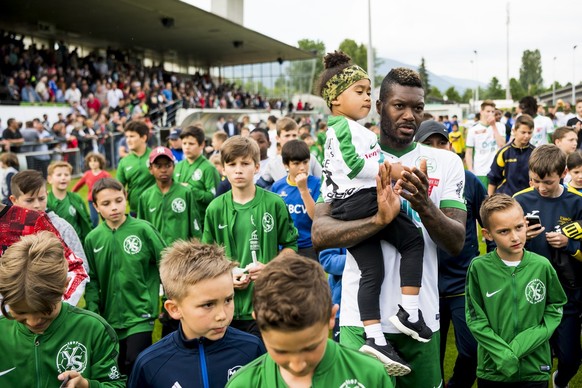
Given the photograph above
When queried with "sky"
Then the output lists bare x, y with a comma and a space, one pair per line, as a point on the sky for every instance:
445, 32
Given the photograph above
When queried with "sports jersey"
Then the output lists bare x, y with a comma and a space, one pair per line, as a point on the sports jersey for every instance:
482, 139
512, 313
453, 269
73, 210
509, 169
175, 361
257, 229
543, 127
125, 282
292, 197
203, 179
553, 213
446, 182
134, 172
76, 340
174, 214
457, 141
352, 159
339, 367
16, 222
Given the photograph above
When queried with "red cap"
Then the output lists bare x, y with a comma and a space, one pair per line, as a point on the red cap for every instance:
161, 151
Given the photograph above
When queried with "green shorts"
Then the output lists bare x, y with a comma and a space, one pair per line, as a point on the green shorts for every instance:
424, 358
484, 180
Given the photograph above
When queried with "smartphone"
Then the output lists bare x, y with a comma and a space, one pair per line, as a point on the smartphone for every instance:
533, 220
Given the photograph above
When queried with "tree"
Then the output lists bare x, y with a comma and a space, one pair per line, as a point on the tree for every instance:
517, 91
494, 90
530, 72
467, 95
302, 74
453, 95
424, 76
435, 93
358, 53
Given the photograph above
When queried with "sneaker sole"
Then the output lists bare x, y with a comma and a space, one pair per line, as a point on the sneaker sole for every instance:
392, 367
396, 322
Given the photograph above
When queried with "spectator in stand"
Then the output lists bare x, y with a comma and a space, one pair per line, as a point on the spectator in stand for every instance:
29, 94
73, 94
11, 136
42, 89
13, 90
230, 127
114, 95
92, 103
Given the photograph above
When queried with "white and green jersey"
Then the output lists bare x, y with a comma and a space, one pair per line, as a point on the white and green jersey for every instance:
352, 159
340, 367
543, 126
174, 214
446, 185
482, 139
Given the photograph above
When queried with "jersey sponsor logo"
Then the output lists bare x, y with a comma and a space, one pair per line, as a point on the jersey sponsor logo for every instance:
432, 183
431, 164
152, 209
459, 189
128, 168
283, 194
178, 205
220, 226
114, 373
296, 209
232, 371
490, 294
72, 356
6, 371
352, 383
372, 154
97, 250
176, 385
197, 175
132, 245
72, 211
268, 222
535, 291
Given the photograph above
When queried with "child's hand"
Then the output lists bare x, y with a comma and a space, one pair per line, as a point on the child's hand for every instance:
557, 240
255, 270
241, 281
301, 181
75, 379
396, 170
533, 230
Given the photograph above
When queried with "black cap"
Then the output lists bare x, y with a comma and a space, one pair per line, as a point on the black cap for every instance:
430, 127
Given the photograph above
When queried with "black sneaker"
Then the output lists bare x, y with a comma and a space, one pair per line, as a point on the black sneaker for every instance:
394, 365
417, 330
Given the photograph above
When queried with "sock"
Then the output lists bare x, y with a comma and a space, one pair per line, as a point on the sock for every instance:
375, 331
410, 305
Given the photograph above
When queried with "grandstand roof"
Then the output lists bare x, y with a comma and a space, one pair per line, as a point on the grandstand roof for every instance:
172, 27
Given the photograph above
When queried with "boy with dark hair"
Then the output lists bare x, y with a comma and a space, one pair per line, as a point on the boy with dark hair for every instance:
299, 190
195, 171
50, 343
514, 347
123, 255
293, 309
168, 205
251, 223
548, 206
132, 170
66, 204
509, 171
204, 351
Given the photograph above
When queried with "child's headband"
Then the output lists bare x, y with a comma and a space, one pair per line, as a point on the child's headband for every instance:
341, 81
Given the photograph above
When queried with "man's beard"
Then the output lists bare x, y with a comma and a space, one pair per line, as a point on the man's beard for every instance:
390, 133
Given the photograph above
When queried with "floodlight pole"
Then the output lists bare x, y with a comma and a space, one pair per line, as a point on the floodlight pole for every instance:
507, 90
554, 84
370, 48
574, 74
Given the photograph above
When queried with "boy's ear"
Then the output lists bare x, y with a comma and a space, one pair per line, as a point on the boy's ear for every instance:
486, 234
564, 174
12, 198
334, 311
335, 102
173, 309
254, 315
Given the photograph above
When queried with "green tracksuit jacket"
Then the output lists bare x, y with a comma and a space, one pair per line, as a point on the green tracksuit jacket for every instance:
125, 281
133, 172
76, 340
340, 367
202, 178
258, 228
512, 313
73, 210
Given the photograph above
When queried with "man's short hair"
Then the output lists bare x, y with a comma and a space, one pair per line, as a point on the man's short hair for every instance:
295, 151
58, 164
292, 293
561, 132
194, 131
186, 263
220, 136
25, 182
529, 105
496, 203
138, 127
400, 76
286, 124
546, 160
272, 119
33, 270
524, 119
106, 183
490, 103
240, 146
9, 159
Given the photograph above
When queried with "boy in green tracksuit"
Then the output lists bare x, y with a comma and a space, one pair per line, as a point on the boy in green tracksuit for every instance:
123, 255
251, 223
45, 341
195, 171
132, 170
293, 309
67, 205
514, 302
168, 205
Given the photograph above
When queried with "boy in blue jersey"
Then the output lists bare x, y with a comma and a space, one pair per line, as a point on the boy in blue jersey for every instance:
299, 190
549, 206
204, 351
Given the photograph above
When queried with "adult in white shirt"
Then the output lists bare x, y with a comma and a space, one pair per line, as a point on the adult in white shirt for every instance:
113, 96
543, 125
